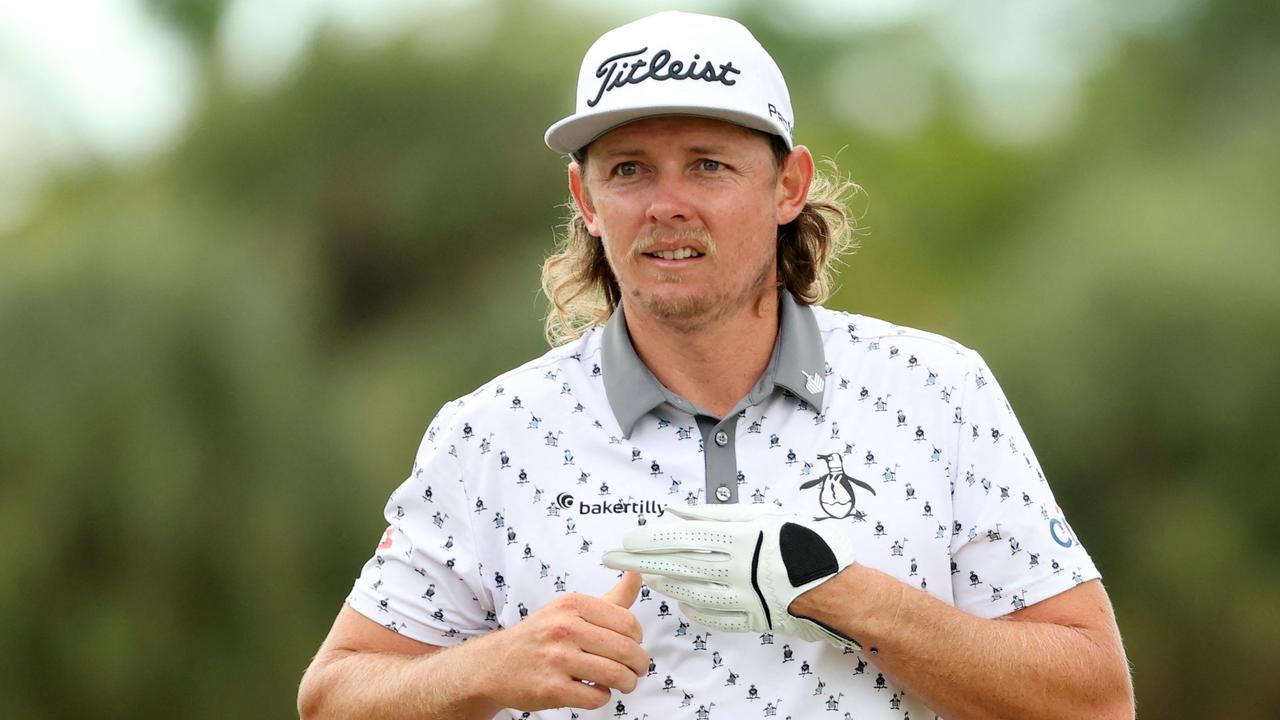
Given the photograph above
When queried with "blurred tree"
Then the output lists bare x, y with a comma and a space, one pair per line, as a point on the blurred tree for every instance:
196, 19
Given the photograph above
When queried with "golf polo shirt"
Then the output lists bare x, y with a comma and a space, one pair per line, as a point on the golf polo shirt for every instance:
901, 437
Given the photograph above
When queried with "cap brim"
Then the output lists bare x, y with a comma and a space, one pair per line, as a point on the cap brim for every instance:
577, 131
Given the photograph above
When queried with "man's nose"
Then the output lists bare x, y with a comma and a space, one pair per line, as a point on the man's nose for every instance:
670, 200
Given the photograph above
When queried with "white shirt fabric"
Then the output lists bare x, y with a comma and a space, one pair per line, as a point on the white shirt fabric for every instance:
520, 487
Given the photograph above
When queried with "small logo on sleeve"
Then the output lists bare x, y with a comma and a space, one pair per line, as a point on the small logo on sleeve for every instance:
1061, 532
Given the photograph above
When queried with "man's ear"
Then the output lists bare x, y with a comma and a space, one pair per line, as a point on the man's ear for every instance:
794, 178
578, 187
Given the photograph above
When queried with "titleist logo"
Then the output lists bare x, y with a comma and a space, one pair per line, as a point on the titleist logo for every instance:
617, 71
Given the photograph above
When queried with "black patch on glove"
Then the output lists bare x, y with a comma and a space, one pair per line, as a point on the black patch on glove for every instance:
805, 554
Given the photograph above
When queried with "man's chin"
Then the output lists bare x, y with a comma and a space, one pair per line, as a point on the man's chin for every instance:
677, 308
688, 309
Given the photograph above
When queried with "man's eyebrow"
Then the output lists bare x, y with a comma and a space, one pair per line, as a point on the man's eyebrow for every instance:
692, 150
622, 152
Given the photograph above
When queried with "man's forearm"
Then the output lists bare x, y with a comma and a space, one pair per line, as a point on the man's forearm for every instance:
967, 667
442, 685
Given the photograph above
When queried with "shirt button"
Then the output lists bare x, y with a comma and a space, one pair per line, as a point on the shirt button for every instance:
722, 438
723, 494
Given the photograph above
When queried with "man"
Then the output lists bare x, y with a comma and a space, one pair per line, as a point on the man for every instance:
832, 514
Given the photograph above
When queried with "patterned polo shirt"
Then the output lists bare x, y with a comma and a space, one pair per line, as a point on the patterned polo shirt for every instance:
899, 436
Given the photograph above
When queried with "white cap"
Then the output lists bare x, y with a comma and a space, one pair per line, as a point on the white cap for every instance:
675, 63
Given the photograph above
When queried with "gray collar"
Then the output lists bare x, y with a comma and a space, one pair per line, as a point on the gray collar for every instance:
797, 365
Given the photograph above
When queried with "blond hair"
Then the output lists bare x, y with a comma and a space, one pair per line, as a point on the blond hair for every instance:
583, 291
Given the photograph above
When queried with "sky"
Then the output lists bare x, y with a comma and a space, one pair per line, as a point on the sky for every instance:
118, 86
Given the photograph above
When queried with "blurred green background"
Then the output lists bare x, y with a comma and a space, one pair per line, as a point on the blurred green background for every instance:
224, 327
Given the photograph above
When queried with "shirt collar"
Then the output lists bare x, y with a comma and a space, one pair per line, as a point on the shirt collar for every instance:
797, 366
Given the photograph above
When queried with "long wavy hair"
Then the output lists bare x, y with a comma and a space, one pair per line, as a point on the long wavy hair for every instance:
583, 291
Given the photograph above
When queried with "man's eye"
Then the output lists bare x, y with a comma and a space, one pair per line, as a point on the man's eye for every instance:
710, 165
626, 169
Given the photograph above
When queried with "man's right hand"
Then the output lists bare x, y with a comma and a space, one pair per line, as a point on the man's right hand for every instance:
364, 670
543, 662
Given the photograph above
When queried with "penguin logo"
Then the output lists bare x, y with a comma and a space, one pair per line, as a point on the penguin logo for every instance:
836, 496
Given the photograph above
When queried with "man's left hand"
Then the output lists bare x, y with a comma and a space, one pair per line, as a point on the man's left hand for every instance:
738, 568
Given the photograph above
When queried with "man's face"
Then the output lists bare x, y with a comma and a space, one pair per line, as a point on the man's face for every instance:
688, 210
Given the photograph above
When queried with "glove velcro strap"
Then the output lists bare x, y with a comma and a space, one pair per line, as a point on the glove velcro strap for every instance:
838, 638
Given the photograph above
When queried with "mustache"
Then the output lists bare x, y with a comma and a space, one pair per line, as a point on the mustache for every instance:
696, 236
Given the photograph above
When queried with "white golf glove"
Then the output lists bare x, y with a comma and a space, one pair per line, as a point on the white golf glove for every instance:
738, 567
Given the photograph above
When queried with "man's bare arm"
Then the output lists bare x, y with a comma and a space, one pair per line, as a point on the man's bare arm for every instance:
1059, 658
365, 670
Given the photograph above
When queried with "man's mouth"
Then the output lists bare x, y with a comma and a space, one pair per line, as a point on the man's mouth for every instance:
678, 254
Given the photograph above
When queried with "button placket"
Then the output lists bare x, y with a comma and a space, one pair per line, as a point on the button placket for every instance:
721, 459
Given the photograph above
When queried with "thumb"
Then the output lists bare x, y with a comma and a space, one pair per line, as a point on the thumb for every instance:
624, 593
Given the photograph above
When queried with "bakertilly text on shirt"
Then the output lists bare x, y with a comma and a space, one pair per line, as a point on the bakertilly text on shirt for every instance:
620, 507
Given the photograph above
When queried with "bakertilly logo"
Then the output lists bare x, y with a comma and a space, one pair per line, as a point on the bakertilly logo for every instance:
620, 507
628, 69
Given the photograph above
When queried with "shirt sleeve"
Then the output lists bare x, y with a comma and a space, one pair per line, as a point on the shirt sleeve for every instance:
1011, 546
423, 580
